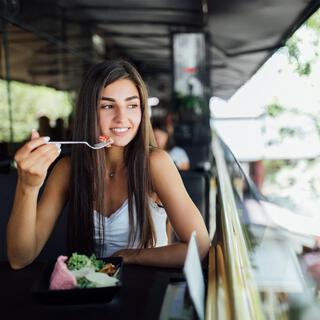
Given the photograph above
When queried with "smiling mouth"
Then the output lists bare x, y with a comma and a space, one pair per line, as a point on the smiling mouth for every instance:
120, 130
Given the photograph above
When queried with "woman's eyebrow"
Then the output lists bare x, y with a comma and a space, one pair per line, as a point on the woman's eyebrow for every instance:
108, 99
126, 99
132, 98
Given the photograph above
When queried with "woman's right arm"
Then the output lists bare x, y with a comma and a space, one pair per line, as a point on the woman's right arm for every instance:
31, 222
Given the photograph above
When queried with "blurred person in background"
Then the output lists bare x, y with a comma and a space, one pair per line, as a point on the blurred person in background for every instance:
58, 131
44, 127
165, 141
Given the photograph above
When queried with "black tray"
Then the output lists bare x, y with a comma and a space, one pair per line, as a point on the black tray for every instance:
41, 290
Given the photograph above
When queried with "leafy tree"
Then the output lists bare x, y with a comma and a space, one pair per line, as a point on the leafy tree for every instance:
303, 64
274, 109
297, 181
28, 103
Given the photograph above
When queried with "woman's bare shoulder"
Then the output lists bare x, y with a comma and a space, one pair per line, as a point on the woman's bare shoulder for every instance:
161, 165
63, 165
61, 170
57, 186
158, 155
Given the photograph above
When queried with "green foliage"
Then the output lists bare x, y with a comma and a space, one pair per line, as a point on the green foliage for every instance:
302, 65
28, 103
274, 109
293, 49
314, 21
190, 105
272, 167
303, 68
289, 132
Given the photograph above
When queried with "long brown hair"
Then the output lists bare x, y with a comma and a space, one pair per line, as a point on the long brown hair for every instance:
88, 166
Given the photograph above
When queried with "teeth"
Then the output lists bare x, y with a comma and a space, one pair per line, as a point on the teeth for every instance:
120, 129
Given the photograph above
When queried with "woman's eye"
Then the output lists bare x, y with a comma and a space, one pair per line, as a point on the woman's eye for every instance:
132, 106
107, 106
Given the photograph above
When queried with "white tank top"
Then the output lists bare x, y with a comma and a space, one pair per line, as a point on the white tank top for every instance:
116, 229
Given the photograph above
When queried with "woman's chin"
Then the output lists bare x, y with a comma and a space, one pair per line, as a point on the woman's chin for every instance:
119, 145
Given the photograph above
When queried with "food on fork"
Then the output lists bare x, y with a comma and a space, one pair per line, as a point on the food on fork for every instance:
103, 138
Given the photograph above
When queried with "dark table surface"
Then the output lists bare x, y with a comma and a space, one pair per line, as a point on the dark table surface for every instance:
140, 296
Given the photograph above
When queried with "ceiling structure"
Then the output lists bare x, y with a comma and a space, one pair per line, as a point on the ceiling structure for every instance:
53, 42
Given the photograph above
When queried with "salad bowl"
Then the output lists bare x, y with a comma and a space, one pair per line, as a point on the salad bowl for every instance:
41, 288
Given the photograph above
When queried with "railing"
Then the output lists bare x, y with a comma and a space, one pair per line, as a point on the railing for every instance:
243, 292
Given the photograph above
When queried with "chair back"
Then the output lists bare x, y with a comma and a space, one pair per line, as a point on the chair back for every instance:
56, 244
198, 186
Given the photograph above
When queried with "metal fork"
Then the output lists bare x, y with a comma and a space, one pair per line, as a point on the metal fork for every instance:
96, 146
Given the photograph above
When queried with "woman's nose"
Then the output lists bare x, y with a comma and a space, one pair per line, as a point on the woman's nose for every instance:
120, 114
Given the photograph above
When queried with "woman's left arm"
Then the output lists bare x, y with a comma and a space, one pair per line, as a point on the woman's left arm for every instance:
184, 217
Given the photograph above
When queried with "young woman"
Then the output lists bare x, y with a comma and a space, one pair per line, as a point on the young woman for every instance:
119, 197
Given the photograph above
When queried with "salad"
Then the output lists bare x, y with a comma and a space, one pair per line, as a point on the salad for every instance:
81, 271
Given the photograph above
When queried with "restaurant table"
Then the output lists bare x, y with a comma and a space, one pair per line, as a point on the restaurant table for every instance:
140, 296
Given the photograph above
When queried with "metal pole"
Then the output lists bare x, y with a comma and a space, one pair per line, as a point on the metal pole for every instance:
7, 75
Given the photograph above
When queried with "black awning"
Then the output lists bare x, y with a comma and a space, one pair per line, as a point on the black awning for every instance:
53, 42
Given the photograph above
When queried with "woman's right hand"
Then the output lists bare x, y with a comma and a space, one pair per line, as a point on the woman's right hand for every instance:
33, 160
